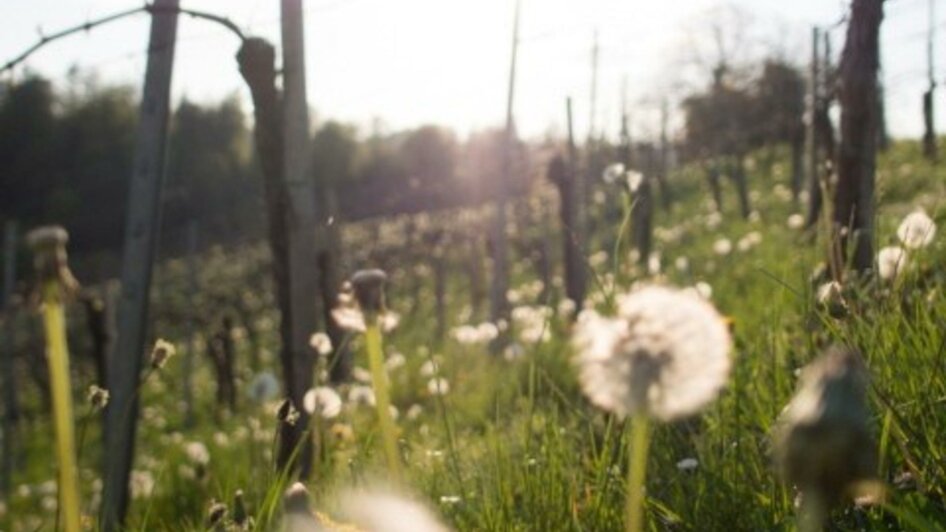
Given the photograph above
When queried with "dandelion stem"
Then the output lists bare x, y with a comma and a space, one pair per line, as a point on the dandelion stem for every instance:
383, 401
55, 327
637, 472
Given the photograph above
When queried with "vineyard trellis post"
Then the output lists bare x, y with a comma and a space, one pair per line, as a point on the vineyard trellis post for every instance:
141, 231
574, 238
498, 303
854, 195
929, 126
814, 96
300, 188
193, 237
7, 350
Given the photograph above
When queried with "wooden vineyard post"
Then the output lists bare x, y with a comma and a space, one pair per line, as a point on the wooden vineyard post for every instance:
141, 231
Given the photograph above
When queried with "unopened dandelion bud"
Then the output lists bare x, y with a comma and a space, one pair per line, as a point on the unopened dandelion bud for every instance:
241, 517
216, 516
823, 441
162, 351
98, 397
50, 260
299, 514
368, 286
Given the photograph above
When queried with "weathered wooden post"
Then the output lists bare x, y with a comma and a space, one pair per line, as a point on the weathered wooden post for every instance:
499, 306
193, 236
301, 224
10, 407
929, 127
854, 196
141, 230
811, 138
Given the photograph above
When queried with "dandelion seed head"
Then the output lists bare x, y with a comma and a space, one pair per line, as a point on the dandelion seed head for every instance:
386, 512
162, 351
321, 343
796, 221
322, 401
723, 246
216, 514
197, 453
688, 464
917, 230
891, 261
361, 395
613, 172
98, 397
438, 386
665, 354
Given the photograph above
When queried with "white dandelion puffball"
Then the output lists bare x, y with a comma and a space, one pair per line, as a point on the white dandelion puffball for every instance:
381, 511
613, 172
916, 230
197, 453
438, 386
322, 401
666, 354
796, 221
723, 246
688, 464
321, 343
891, 262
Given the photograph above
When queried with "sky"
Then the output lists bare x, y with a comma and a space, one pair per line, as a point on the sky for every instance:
399, 64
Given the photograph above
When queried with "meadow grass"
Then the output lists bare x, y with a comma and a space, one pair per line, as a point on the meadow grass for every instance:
514, 445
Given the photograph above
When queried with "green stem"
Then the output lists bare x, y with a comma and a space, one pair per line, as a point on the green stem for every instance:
382, 398
58, 354
637, 472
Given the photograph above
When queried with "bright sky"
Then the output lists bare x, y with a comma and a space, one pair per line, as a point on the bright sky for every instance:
411, 62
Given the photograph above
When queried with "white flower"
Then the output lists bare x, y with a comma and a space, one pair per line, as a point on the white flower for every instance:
613, 172
916, 230
702, 289
723, 246
361, 374
438, 386
322, 401
414, 411
141, 484
666, 354
361, 395
891, 262
429, 368
796, 221
197, 452
653, 263
713, 219
321, 343
395, 361
688, 464
353, 320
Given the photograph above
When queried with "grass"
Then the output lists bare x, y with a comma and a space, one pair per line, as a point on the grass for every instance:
514, 445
